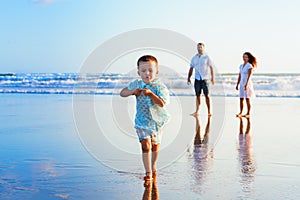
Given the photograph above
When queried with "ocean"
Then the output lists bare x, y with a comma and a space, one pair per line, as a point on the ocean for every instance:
56, 145
265, 85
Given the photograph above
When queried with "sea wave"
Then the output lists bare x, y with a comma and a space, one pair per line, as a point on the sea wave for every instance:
265, 85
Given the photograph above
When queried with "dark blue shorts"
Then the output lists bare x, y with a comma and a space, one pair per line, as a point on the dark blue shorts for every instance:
201, 85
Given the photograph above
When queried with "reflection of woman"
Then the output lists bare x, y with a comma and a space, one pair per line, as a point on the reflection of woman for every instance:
151, 192
244, 83
245, 155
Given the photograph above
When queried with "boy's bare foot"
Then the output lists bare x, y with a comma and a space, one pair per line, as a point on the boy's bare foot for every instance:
154, 174
195, 114
148, 176
148, 179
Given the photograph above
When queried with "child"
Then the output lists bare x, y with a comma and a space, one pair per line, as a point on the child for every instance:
151, 116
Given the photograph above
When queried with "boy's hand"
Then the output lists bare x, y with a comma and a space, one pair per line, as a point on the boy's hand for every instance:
147, 92
137, 92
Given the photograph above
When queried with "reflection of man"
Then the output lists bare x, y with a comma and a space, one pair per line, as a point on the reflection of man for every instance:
151, 192
198, 141
204, 73
201, 152
245, 155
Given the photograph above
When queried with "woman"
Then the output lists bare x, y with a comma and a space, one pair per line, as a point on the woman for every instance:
244, 83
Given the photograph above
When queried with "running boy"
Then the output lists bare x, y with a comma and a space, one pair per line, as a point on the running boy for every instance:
151, 115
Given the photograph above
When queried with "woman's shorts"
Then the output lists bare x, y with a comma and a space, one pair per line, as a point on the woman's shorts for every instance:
153, 134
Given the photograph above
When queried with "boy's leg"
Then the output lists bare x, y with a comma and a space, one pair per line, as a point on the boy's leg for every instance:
155, 142
155, 150
146, 147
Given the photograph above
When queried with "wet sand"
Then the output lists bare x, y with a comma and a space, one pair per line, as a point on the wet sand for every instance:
42, 156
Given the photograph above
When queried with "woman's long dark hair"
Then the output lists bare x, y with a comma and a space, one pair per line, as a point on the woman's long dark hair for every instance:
252, 59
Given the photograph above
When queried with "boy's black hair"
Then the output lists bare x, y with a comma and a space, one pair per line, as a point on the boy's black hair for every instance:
147, 58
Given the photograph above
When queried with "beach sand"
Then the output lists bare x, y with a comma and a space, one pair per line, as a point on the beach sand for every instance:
45, 155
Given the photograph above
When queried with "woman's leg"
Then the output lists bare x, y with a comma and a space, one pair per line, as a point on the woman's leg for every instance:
241, 107
248, 106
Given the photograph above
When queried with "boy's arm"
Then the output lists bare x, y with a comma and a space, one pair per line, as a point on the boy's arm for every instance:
125, 92
156, 99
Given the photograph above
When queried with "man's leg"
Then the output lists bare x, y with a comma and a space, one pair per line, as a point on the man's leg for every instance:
206, 94
197, 87
198, 101
207, 99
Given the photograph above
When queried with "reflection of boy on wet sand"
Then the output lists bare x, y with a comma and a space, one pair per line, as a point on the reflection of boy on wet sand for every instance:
151, 192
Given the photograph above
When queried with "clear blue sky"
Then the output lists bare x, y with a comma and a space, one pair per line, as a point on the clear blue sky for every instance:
58, 35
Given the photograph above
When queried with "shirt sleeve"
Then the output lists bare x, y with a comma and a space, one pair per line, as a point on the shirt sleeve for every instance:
250, 66
192, 63
133, 85
210, 62
163, 93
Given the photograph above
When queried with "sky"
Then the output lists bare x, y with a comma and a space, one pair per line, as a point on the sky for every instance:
59, 35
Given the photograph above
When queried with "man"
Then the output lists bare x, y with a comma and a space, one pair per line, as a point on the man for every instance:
204, 73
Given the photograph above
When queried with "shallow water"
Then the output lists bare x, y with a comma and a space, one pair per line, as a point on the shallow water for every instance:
42, 156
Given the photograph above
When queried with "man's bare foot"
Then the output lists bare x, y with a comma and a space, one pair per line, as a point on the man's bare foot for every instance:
195, 114
239, 115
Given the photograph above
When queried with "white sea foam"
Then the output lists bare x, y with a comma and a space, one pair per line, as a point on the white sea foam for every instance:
265, 85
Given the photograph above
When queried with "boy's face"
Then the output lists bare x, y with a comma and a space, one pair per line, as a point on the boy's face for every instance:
147, 71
